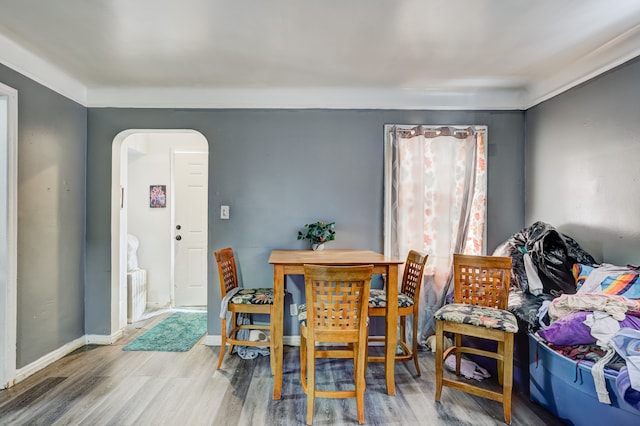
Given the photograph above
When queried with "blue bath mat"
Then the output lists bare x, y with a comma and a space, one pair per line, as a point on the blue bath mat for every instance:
178, 333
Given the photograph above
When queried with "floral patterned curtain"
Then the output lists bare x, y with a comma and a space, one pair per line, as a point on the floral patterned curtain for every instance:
437, 203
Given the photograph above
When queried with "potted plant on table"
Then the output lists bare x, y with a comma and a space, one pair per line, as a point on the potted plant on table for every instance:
318, 233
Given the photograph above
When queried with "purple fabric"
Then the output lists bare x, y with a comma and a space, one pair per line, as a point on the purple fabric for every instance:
570, 330
631, 321
623, 385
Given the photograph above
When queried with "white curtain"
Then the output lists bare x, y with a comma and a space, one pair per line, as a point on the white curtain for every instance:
436, 187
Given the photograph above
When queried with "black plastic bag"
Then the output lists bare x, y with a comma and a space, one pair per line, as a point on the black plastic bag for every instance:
552, 254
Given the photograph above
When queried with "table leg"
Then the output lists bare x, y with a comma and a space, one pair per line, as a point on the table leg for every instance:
277, 329
391, 331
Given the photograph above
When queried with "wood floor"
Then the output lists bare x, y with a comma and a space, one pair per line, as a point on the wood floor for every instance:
104, 385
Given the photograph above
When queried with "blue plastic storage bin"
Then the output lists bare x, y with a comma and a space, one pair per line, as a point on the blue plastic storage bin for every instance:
566, 389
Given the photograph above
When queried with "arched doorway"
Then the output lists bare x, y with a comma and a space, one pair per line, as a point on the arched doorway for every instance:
158, 231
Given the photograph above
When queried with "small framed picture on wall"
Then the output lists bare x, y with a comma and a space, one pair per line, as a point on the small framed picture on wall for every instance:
158, 196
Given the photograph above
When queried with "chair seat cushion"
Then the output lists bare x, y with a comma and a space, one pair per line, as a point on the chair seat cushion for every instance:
480, 316
253, 296
378, 299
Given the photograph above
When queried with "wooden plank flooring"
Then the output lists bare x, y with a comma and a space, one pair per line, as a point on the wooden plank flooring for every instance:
104, 385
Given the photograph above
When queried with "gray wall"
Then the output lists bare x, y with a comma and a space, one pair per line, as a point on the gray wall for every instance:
51, 206
280, 169
582, 173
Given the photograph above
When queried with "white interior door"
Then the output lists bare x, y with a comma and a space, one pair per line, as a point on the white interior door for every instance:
190, 228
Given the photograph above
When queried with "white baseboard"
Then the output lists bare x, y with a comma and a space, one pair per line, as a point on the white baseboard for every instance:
51, 357
48, 359
291, 340
103, 339
213, 340
217, 340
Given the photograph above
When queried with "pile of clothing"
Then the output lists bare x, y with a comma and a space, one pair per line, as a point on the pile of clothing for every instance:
602, 330
586, 311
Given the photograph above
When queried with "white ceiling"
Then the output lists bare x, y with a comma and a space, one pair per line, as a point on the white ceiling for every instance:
470, 54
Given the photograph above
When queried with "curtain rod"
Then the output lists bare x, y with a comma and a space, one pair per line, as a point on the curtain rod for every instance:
433, 132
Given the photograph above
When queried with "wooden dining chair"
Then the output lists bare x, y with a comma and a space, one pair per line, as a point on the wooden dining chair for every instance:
481, 294
240, 300
335, 314
408, 299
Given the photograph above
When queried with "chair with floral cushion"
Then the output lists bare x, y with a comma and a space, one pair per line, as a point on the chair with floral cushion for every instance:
240, 300
408, 299
335, 319
481, 294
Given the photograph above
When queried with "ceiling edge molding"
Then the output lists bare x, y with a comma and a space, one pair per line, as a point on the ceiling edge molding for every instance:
610, 55
307, 98
24, 62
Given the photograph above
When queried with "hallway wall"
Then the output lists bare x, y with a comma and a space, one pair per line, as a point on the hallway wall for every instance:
52, 136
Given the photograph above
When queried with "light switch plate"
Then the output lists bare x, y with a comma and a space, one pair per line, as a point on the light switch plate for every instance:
224, 212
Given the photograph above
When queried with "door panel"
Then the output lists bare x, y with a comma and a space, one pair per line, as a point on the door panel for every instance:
190, 228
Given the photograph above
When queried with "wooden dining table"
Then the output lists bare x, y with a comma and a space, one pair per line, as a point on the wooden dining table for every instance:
291, 262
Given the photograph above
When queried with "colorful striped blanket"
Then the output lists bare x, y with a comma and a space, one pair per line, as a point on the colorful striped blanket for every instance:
607, 279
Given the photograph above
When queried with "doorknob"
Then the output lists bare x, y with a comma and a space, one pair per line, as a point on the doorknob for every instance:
178, 227
178, 237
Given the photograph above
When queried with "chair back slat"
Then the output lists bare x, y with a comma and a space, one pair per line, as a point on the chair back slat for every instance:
226, 270
337, 296
413, 273
482, 280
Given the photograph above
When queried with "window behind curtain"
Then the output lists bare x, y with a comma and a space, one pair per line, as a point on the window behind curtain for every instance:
435, 201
